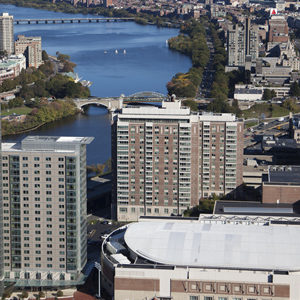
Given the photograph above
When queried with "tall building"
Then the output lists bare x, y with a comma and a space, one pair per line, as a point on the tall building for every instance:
31, 48
242, 44
166, 159
44, 209
1, 223
7, 33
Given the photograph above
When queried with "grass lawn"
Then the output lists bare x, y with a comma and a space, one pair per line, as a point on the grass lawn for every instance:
24, 110
269, 110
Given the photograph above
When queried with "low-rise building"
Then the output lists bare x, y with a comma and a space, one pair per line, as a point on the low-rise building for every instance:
281, 185
213, 257
244, 92
12, 67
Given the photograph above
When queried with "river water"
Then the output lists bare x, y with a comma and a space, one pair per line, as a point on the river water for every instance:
147, 65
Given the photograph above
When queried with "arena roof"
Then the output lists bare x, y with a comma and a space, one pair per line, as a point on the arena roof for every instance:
239, 246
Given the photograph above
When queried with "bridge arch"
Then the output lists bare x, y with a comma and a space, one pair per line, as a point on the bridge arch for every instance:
84, 104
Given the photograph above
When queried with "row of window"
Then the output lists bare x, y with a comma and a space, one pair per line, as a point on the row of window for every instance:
25, 158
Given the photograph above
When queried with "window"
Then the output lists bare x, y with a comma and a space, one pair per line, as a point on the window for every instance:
194, 298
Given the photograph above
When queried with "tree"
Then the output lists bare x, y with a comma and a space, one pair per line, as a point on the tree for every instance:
45, 55
192, 104
290, 104
267, 95
295, 89
24, 294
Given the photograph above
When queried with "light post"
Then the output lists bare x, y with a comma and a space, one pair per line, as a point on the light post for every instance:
98, 267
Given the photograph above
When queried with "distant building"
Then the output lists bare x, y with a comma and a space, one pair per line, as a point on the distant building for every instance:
107, 3
218, 256
295, 129
12, 67
285, 151
278, 30
166, 159
7, 33
281, 185
44, 200
31, 47
243, 92
242, 44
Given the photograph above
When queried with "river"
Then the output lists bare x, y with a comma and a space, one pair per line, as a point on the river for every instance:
147, 65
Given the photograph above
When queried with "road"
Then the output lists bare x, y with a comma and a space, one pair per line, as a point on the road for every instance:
273, 127
208, 74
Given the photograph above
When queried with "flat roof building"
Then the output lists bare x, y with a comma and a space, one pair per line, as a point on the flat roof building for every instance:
214, 257
166, 159
282, 185
44, 201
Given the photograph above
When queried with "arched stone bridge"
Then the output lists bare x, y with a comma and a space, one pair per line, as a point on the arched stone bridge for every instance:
114, 103
111, 103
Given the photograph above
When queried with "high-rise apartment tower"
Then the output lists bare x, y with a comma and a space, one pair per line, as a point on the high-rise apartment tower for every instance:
7, 33
44, 210
166, 159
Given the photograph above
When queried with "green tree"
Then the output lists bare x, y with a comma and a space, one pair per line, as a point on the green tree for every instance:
192, 104
295, 89
267, 95
45, 55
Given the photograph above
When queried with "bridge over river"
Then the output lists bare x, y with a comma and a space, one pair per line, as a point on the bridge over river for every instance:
114, 103
70, 20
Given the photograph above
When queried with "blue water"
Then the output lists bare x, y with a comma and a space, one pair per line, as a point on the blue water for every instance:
147, 66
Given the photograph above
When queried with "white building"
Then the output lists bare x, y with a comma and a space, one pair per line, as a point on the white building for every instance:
218, 257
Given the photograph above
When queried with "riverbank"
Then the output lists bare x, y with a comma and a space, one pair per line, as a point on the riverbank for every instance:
47, 112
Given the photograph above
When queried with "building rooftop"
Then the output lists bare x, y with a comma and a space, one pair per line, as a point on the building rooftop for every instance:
47, 143
284, 174
171, 110
256, 208
218, 242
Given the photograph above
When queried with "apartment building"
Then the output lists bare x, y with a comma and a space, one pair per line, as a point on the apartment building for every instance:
44, 210
7, 33
166, 159
242, 44
31, 47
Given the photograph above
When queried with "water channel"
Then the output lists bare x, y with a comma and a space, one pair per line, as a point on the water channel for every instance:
146, 65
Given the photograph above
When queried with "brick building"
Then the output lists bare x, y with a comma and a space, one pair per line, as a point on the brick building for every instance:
31, 47
278, 30
166, 159
282, 185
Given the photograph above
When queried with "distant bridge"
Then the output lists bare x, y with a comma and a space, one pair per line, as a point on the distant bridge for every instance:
69, 20
114, 103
